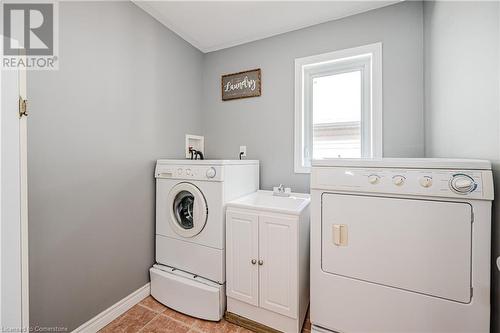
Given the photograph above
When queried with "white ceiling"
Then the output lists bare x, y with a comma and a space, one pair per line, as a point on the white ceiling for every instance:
215, 25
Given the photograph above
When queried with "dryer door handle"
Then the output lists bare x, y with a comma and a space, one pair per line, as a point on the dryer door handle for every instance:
340, 234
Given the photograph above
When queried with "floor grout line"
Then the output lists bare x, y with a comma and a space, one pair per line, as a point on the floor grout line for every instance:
150, 309
180, 321
143, 327
191, 326
164, 315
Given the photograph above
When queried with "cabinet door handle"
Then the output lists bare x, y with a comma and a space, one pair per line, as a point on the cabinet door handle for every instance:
254, 261
261, 262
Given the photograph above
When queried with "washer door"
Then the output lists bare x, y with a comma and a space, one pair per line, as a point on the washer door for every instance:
188, 209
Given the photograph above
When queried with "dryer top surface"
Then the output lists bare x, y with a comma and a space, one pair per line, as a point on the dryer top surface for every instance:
409, 163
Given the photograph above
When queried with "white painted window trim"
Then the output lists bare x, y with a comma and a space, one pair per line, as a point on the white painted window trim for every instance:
305, 66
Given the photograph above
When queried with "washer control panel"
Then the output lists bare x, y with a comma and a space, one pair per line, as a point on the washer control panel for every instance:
191, 172
434, 182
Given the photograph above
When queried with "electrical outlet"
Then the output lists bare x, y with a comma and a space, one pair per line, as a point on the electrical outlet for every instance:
243, 149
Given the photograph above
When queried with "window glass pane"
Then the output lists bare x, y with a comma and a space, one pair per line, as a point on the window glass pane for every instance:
337, 116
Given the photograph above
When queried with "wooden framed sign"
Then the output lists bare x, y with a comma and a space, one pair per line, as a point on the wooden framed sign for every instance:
241, 85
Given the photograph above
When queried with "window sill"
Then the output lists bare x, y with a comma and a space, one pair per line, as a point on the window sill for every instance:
302, 170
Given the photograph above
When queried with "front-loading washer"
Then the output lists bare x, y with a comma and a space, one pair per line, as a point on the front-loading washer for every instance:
190, 231
400, 245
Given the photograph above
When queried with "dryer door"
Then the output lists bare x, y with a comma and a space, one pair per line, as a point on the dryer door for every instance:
419, 246
188, 209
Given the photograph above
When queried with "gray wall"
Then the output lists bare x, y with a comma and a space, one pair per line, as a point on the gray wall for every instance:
461, 79
265, 124
96, 127
462, 112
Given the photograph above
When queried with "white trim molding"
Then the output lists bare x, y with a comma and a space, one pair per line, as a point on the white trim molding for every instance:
14, 286
369, 58
114, 311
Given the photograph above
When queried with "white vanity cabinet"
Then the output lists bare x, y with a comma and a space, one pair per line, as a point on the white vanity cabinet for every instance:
267, 260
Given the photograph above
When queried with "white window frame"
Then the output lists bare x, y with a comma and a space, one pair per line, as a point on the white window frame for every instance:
368, 58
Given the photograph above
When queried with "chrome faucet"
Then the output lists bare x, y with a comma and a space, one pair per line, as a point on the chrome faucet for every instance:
281, 191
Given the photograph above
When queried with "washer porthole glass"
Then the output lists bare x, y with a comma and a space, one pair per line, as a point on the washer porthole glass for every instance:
188, 209
183, 209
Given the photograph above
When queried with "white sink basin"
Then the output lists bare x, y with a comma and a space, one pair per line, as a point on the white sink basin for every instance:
265, 200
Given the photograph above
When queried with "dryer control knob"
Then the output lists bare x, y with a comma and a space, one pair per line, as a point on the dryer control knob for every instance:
398, 180
373, 179
211, 172
425, 181
462, 184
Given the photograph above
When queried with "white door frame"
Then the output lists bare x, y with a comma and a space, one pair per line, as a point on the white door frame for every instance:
23, 183
14, 279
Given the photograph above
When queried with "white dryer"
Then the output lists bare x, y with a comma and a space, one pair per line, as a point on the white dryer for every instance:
190, 231
401, 245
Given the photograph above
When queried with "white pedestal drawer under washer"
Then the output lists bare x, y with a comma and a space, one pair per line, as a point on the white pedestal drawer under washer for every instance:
190, 231
401, 245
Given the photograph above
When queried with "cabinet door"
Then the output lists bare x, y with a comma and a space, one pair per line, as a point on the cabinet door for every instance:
278, 265
242, 231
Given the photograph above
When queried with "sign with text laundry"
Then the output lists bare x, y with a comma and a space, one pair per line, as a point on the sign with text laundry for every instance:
241, 85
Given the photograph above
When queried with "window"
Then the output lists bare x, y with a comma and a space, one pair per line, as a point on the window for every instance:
338, 105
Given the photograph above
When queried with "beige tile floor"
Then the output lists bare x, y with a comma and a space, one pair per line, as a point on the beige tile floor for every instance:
149, 316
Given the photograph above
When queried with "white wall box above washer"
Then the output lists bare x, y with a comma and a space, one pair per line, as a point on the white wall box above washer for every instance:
197, 142
415, 253
267, 259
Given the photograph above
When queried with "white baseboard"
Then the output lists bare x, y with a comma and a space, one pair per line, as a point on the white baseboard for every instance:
114, 311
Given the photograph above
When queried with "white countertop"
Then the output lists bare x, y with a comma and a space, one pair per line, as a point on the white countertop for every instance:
265, 200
